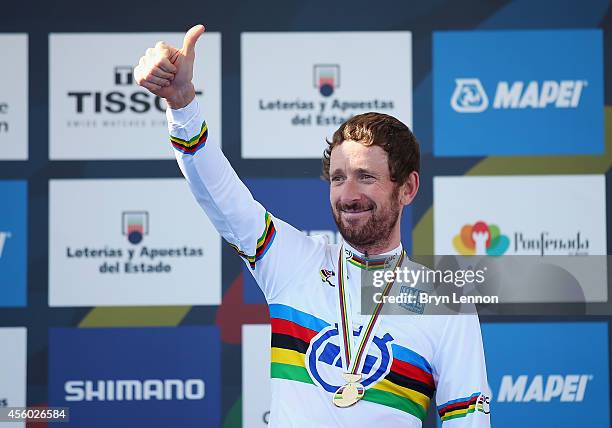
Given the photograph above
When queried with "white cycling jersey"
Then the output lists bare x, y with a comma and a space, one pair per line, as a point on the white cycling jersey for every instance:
410, 357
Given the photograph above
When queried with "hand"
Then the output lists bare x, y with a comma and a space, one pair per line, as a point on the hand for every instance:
167, 71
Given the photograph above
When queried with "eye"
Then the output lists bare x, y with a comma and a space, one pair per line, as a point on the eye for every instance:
366, 177
337, 178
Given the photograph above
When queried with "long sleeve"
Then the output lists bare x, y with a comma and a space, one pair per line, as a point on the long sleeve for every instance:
463, 395
263, 241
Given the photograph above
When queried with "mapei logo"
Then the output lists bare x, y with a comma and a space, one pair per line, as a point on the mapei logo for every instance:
326, 78
481, 239
134, 225
469, 95
564, 388
134, 390
3, 238
323, 359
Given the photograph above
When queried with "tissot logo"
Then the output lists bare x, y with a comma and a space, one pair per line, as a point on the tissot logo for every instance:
542, 388
124, 75
100, 112
134, 390
3, 238
126, 96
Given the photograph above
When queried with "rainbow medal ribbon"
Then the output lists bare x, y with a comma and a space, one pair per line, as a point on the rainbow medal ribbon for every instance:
352, 358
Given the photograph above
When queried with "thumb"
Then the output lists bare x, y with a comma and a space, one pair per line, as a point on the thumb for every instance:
191, 38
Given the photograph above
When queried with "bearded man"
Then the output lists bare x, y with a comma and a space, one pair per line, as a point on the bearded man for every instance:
331, 365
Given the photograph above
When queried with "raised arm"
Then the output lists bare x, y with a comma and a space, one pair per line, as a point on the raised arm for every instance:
264, 242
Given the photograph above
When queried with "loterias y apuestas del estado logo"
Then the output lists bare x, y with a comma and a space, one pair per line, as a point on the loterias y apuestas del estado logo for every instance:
325, 109
134, 258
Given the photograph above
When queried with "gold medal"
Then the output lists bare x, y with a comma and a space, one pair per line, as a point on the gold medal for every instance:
351, 393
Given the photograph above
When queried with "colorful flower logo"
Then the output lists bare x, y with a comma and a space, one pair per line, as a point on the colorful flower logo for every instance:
481, 239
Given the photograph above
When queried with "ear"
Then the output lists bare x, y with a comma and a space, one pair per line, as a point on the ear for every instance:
410, 188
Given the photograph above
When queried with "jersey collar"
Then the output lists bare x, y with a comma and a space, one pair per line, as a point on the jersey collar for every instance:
376, 262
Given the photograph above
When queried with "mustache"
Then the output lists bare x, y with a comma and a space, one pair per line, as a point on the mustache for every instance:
355, 206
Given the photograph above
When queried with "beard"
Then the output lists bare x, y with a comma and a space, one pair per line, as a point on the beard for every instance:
377, 228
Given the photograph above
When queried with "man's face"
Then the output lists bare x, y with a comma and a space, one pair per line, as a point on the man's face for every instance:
365, 202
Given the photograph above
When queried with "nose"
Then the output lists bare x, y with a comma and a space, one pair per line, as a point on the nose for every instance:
350, 191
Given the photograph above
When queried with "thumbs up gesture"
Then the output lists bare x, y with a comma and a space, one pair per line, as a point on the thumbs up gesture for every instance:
167, 71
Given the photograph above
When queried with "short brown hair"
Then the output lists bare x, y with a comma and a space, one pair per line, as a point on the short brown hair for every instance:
379, 129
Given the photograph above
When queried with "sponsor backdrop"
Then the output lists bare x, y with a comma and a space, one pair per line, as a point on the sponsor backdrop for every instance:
13, 370
14, 98
294, 98
13, 243
256, 375
129, 297
124, 245
522, 83
535, 376
167, 376
100, 112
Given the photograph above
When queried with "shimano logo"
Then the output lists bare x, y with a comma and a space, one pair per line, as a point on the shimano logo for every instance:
470, 97
134, 390
3, 237
568, 388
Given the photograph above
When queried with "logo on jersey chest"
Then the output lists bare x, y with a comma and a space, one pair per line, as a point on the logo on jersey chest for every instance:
324, 362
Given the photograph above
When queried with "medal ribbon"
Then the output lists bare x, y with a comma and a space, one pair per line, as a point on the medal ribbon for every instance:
345, 323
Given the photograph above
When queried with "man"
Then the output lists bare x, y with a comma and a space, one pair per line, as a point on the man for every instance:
331, 365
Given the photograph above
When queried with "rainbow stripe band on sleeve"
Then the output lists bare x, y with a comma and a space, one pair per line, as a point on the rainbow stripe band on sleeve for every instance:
192, 146
263, 243
458, 408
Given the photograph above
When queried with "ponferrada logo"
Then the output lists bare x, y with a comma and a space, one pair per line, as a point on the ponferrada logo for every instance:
481, 239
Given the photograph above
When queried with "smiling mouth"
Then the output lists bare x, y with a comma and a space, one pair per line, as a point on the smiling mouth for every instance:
356, 214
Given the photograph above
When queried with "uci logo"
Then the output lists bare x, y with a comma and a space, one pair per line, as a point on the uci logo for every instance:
469, 96
324, 362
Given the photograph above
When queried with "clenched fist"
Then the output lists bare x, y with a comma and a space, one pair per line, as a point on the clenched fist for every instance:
167, 71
